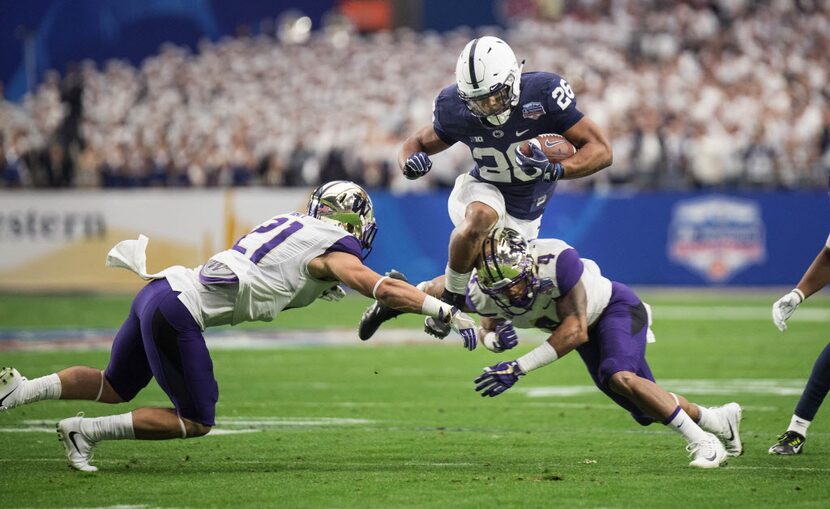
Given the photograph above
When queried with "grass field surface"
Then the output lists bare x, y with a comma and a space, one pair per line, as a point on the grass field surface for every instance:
398, 425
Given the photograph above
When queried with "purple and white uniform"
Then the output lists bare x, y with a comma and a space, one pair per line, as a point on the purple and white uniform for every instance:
618, 321
265, 272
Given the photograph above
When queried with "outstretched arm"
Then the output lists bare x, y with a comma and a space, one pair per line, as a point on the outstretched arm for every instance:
817, 275
594, 151
348, 269
816, 278
572, 332
391, 292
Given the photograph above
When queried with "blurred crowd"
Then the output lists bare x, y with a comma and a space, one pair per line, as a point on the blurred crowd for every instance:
716, 94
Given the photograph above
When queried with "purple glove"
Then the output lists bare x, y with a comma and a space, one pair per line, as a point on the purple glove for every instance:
503, 338
538, 162
497, 379
417, 165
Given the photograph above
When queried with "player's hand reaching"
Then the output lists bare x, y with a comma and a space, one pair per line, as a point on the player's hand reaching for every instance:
538, 162
417, 165
503, 338
441, 325
333, 294
784, 308
498, 378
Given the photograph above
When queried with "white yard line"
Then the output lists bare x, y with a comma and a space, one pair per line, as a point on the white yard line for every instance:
725, 387
226, 426
26, 339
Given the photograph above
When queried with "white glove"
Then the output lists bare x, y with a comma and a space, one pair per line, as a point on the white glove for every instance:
784, 308
465, 327
333, 294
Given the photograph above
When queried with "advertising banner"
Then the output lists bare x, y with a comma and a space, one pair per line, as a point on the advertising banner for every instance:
58, 241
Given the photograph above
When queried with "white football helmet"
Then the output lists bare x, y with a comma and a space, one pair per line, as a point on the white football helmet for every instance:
347, 205
488, 78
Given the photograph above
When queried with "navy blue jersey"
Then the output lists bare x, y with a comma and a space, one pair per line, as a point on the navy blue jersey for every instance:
546, 105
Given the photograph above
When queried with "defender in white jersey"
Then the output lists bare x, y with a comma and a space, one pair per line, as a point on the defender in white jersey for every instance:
548, 286
286, 262
545, 284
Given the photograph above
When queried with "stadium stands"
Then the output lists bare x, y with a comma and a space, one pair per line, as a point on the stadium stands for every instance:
694, 95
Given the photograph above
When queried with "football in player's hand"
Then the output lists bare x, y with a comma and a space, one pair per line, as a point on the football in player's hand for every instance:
555, 146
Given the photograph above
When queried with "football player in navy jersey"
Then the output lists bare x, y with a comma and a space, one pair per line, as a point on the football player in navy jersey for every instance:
494, 108
814, 279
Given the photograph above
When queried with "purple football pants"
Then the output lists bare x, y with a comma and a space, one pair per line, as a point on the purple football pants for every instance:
161, 339
617, 342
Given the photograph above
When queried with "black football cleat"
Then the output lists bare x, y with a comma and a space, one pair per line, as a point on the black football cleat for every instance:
436, 328
788, 444
378, 313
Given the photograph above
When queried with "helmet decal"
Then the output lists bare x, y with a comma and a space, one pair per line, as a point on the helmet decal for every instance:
506, 271
347, 205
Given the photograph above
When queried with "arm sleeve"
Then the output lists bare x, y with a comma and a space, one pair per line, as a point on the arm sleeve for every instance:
569, 269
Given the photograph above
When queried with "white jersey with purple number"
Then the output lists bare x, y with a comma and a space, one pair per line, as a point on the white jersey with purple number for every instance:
561, 265
265, 272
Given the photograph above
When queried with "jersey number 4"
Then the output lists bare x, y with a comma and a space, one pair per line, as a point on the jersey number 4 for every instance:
260, 245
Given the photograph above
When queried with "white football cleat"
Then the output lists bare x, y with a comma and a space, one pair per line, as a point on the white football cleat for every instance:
731, 414
78, 446
10, 382
707, 453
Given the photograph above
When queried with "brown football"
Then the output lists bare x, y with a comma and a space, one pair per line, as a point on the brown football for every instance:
555, 146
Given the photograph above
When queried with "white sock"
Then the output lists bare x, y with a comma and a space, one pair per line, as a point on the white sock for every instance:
110, 427
456, 282
683, 424
38, 389
799, 425
710, 420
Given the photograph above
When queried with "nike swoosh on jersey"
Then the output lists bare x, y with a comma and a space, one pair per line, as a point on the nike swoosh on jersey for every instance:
519, 133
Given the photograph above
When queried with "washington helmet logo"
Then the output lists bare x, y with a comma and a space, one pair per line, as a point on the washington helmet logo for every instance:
717, 236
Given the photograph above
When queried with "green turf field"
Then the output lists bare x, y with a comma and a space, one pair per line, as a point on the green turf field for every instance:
371, 425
